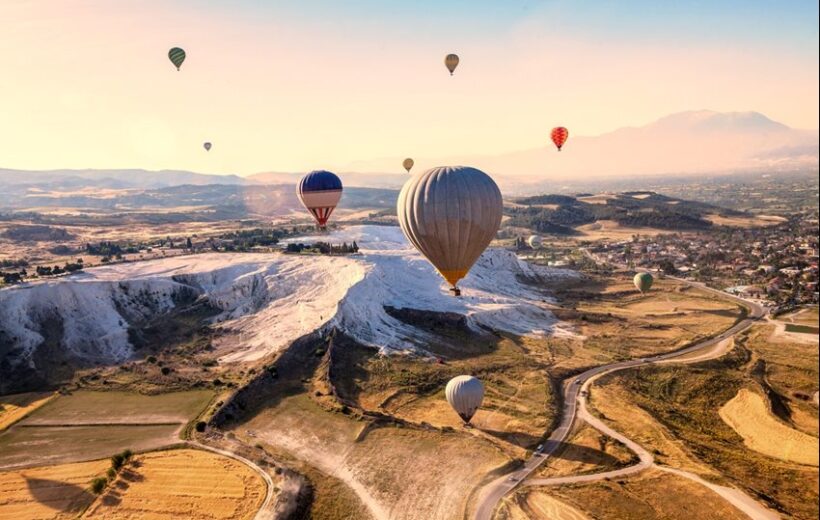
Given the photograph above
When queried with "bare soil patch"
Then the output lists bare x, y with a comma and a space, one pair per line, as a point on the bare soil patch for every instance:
748, 414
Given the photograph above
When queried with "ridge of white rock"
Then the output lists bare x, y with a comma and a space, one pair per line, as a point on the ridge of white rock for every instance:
269, 300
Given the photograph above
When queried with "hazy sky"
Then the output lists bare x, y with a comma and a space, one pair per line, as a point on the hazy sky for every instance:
299, 85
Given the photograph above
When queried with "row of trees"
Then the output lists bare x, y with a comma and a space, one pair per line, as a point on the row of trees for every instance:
324, 248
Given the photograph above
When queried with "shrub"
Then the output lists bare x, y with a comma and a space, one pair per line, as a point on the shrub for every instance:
165, 371
200, 426
151, 359
117, 461
127, 454
111, 473
98, 485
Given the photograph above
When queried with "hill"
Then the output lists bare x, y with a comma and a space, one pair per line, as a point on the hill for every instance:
560, 214
108, 314
692, 142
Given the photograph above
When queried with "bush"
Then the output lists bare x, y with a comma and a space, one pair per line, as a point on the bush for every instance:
117, 461
200, 426
112, 473
165, 371
127, 454
151, 359
98, 485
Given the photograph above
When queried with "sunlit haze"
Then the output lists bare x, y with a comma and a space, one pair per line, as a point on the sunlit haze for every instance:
293, 86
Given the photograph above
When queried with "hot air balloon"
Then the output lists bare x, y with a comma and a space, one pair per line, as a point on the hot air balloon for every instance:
559, 136
319, 192
177, 56
450, 214
408, 164
451, 62
643, 282
207, 146
464, 393
534, 242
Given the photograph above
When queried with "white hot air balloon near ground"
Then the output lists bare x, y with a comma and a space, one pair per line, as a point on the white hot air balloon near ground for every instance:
534, 242
450, 214
464, 393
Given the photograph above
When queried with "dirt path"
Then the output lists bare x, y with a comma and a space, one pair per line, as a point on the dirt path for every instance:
575, 392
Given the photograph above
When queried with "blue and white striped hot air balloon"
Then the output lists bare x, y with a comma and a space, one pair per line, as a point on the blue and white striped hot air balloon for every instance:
319, 192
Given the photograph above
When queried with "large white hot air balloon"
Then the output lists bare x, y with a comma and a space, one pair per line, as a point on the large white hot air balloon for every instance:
450, 214
464, 393
534, 242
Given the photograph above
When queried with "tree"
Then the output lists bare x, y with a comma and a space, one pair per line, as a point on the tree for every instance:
98, 485
188, 243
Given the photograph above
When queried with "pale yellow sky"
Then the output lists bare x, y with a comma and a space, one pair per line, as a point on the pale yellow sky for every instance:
88, 84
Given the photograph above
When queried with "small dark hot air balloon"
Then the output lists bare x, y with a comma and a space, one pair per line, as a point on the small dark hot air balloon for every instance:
451, 62
177, 56
408, 164
643, 282
559, 136
319, 192
207, 146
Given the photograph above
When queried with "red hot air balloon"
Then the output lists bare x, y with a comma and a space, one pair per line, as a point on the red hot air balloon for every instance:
559, 136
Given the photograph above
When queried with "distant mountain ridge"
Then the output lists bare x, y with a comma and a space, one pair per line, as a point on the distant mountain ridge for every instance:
685, 143
692, 142
113, 179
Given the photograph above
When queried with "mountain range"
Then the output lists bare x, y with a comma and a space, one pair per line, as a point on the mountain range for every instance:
686, 143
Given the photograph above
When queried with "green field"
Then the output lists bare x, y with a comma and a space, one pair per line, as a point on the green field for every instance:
89, 425
802, 329
86, 407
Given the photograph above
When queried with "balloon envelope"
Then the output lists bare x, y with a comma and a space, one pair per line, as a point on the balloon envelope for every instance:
451, 62
207, 146
559, 136
408, 164
534, 241
320, 191
450, 214
177, 56
643, 281
464, 393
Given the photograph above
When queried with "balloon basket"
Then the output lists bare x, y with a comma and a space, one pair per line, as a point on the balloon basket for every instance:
455, 290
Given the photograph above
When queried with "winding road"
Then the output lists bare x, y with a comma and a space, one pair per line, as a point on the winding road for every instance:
575, 407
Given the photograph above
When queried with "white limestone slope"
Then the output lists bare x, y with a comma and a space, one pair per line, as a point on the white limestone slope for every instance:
269, 300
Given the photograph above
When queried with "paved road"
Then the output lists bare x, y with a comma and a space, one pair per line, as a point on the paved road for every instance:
574, 398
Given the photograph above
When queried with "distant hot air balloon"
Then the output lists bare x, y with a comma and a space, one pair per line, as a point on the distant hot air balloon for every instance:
451, 62
177, 56
559, 136
450, 214
319, 192
408, 164
464, 393
207, 146
643, 281
534, 242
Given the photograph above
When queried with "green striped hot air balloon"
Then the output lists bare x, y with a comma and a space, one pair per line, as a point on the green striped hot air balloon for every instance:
177, 56
643, 282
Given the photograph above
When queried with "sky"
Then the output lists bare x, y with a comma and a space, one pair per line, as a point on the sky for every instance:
295, 86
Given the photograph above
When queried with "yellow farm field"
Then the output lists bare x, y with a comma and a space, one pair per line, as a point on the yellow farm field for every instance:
15, 407
52, 492
748, 414
186, 483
